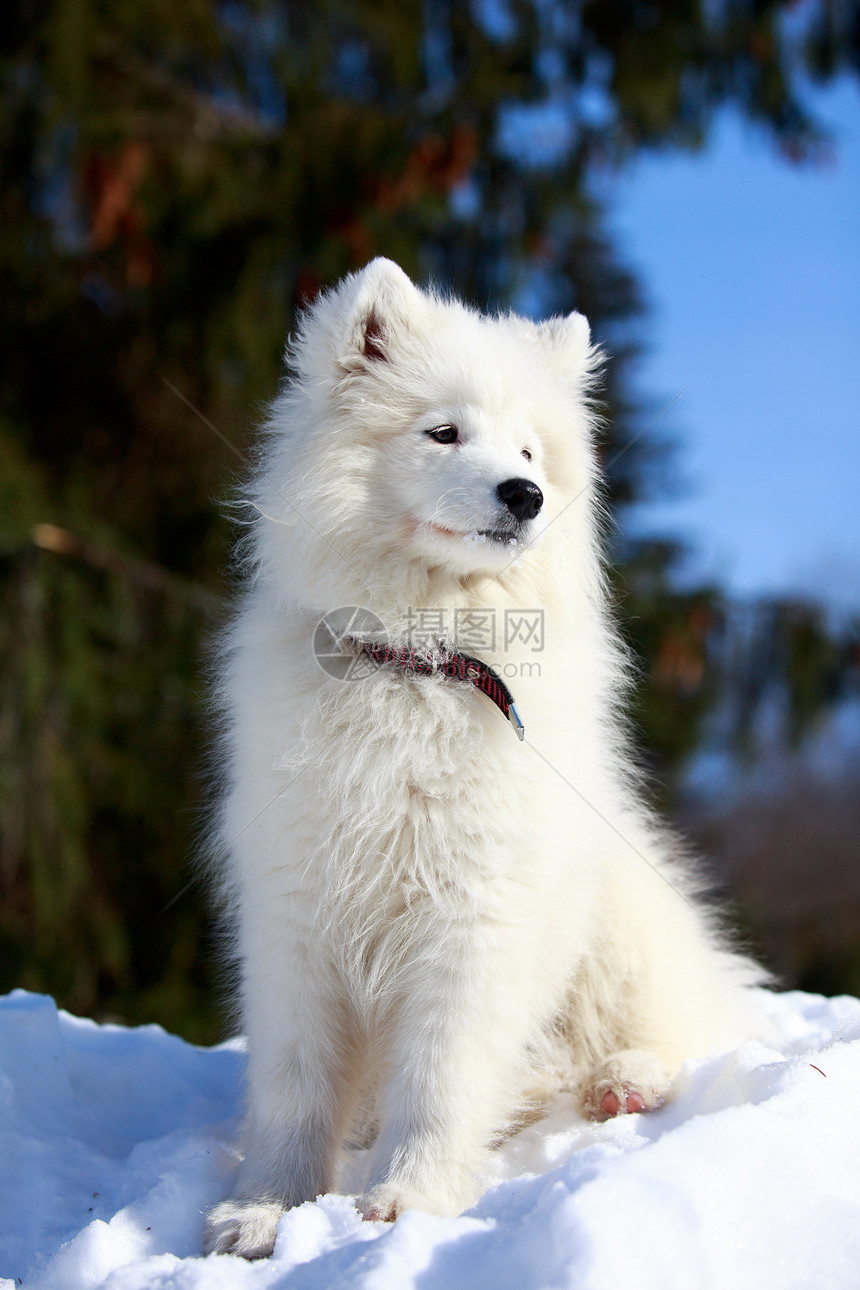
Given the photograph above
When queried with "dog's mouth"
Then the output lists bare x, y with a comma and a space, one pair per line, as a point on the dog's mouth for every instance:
509, 537
504, 537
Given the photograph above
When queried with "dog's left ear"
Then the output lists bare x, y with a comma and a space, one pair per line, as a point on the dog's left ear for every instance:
384, 306
568, 340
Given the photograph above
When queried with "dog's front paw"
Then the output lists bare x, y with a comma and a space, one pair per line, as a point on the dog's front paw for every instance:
387, 1201
248, 1228
628, 1082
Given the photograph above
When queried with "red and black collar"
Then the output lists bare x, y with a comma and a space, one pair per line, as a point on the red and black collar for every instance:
460, 667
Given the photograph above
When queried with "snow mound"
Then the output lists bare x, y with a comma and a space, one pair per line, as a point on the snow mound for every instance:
114, 1141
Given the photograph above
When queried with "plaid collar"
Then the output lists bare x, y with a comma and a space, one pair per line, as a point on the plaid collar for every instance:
460, 667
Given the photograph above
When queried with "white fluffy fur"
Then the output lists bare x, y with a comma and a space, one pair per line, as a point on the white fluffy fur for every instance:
436, 924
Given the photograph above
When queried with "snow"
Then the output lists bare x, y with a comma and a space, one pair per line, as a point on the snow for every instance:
114, 1141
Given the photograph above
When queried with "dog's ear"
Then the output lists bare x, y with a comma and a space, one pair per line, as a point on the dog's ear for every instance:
568, 338
567, 342
384, 304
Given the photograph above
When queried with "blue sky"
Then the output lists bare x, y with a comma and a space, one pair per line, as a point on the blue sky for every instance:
752, 269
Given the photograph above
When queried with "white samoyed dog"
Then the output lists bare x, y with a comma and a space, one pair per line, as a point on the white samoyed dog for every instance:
439, 924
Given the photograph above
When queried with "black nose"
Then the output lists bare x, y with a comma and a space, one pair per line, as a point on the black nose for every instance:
522, 498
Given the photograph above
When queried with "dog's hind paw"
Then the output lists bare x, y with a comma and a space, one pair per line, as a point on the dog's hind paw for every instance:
240, 1227
627, 1083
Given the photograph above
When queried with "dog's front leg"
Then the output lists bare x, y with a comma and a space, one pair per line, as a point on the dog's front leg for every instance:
456, 1035
301, 1058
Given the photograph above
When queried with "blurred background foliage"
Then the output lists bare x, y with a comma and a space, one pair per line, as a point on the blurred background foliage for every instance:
176, 180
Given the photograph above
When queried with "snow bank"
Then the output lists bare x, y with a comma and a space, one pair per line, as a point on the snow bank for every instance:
114, 1141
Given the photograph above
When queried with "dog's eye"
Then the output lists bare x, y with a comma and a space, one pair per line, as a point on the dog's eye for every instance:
444, 434
525, 453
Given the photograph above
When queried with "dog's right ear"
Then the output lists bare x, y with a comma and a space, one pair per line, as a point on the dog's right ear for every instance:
383, 305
